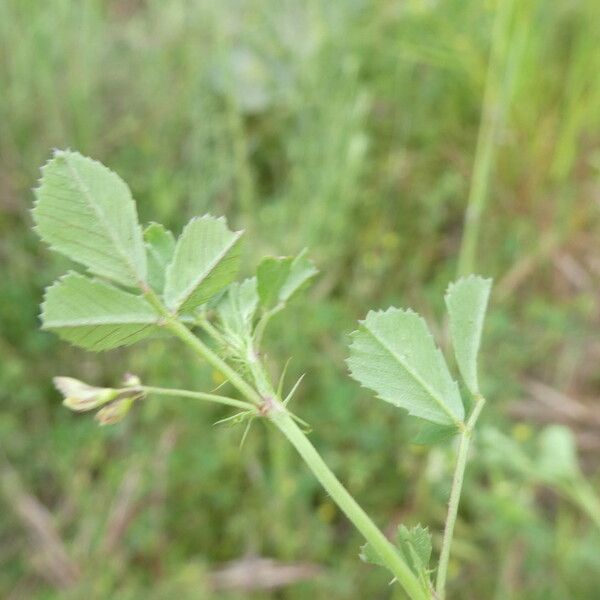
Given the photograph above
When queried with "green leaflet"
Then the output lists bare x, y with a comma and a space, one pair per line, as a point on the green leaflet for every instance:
95, 315
394, 355
85, 211
367, 554
414, 545
271, 274
160, 246
205, 261
279, 278
237, 308
466, 301
430, 434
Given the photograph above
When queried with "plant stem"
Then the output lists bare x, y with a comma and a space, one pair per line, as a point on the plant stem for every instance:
278, 451
262, 324
281, 419
461, 461
198, 396
279, 416
204, 352
205, 324
457, 483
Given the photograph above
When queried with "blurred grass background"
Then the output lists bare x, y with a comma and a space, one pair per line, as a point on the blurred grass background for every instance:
361, 130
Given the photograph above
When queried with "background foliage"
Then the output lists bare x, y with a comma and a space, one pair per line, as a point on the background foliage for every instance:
349, 127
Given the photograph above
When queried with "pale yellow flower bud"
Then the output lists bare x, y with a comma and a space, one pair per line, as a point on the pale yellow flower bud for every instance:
114, 412
80, 396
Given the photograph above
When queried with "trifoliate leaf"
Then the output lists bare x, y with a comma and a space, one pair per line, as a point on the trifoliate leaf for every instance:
466, 301
279, 278
205, 261
237, 308
394, 355
86, 212
160, 246
95, 315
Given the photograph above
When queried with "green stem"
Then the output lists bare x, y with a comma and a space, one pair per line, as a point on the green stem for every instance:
281, 419
214, 333
198, 396
277, 451
457, 483
262, 324
204, 352
284, 422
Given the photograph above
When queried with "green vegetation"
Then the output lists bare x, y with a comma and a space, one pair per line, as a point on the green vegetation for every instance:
362, 131
85, 211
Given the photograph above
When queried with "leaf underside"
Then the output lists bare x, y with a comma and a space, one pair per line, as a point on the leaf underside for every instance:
301, 271
237, 309
394, 355
430, 434
205, 261
271, 274
466, 302
95, 315
160, 246
85, 211
279, 278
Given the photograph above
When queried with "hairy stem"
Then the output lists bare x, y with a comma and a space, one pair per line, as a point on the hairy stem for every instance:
263, 322
204, 352
279, 416
198, 396
281, 419
457, 483
278, 451
214, 333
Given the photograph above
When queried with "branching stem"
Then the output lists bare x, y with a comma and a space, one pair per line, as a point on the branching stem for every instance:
457, 483
263, 322
204, 352
279, 416
281, 419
